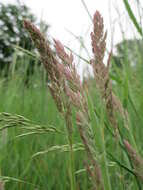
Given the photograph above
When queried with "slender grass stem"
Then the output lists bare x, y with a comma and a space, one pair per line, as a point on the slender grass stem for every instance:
98, 128
72, 168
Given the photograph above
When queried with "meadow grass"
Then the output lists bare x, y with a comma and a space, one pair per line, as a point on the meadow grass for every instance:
36, 104
40, 160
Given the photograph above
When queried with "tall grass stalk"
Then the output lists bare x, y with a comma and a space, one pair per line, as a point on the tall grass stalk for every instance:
132, 17
56, 87
89, 127
98, 127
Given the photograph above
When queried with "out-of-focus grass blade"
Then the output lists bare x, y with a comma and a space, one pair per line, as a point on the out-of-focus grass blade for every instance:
80, 40
86, 8
134, 108
124, 167
8, 120
132, 17
120, 164
126, 92
30, 133
85, 60
7, 179
34, 56
82, 170
117, 79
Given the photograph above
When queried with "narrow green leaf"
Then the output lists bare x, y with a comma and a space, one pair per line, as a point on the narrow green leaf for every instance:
132, 17
7, 179
86, 8
34, 56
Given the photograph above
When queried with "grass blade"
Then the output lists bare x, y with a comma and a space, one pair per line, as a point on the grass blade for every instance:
132, 17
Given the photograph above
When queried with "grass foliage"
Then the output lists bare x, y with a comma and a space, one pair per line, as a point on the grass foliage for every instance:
36, 150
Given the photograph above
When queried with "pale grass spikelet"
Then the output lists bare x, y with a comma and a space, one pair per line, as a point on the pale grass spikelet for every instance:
53, 67
91, 174
69, 69
56, 96
67, 91
75, 91
57, 83
74, 97
61, 52
101, 74
98, 38
68, 74
46, 54
87, 139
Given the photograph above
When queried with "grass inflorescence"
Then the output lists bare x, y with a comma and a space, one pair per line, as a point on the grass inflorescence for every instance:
76, 136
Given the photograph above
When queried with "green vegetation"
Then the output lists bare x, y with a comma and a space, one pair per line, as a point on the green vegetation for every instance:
57, 134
